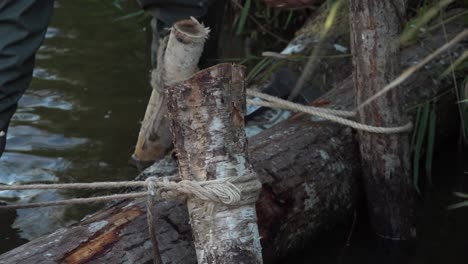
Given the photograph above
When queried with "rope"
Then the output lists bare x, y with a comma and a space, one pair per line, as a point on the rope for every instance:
77, 186
298, 107
239, 190
337, 115
151, 187
96, 199
329, 114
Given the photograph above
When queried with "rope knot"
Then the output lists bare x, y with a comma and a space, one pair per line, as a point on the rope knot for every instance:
238, 190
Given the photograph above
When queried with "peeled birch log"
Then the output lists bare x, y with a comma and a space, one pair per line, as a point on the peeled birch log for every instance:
308, 170
207, 121
176, 63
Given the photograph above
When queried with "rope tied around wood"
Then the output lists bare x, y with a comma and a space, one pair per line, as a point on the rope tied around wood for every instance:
238, 190
337, 115
233, 191
329, 114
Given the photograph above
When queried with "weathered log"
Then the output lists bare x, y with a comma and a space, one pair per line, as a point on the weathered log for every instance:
207, 121
375, 28
308, 170
308, 186
177, 62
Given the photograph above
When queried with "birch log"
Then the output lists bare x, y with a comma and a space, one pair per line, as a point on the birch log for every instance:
177, 62
207, 121
375, 29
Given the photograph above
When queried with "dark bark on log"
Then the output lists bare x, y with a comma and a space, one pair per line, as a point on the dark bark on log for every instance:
375, 29
308, 170
308, 187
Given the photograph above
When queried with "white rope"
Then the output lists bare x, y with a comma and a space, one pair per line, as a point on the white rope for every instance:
75, 201
298, 107
329, 114
337, 115
87, 185
237, 190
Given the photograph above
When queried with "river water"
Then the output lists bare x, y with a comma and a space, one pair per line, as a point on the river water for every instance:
79, 119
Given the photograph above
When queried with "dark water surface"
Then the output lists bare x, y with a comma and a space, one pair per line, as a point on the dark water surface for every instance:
80, 118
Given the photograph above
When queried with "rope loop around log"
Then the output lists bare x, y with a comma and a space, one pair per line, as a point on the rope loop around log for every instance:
238, 190
231, 191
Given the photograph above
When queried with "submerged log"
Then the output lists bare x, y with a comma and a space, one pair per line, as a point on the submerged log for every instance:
308, 170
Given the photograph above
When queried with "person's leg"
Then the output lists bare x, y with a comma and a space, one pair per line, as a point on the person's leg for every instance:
23, 24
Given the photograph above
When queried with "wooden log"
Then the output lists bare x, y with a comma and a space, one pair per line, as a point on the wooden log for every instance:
308, 170
175, 63
305, 191
207, 121
375, 29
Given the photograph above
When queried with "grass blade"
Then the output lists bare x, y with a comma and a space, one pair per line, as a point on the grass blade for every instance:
453, 67
129, 16
258, 68
416, 127
288, 20
249, 58
461, 195
243, 17
419, 143
430, 143
117, 4
412, 28
458, 205
273, 67
463, 106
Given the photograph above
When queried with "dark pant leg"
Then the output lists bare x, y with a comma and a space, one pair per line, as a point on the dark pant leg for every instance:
23, 24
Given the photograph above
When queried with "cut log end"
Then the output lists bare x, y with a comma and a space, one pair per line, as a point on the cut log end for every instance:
177, 62
190, 30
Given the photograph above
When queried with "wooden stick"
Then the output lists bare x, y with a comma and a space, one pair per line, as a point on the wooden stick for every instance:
385, 158
177, 62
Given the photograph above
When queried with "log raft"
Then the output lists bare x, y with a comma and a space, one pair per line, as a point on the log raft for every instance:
308, 170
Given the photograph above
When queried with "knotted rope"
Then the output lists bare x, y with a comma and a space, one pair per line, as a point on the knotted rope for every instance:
238, 190
232, 191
